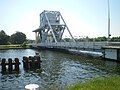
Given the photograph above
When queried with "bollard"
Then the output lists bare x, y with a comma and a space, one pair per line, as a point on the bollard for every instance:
32, 87
10, 67
25, 62
37, 64
3, 65
16, 64
30, 57
24, 58
38, 58
31, 62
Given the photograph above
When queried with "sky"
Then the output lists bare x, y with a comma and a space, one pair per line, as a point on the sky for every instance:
83, 17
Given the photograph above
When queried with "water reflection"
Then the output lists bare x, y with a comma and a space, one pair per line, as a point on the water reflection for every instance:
58, 70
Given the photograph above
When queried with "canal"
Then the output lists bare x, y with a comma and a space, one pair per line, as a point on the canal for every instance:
59, 69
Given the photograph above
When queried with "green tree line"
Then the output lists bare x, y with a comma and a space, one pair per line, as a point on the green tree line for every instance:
16, 38
98, 39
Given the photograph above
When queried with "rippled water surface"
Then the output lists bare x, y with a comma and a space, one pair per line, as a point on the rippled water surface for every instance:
58, 70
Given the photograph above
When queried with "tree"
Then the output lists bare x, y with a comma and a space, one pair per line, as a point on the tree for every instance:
2, 32
102, 38
67, 39
18, 38
4, 38
98, 39
115, 39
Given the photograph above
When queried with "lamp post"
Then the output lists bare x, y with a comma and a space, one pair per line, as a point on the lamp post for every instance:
108, 21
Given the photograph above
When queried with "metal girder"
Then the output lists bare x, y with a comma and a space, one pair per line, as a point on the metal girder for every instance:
50, 24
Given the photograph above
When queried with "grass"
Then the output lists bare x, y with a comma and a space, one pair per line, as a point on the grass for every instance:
110, 83
18, 46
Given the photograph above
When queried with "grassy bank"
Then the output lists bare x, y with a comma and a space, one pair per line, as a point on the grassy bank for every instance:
18, 46
111, 83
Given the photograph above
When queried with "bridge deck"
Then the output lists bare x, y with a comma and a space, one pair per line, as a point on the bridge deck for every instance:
110, 50
91, 46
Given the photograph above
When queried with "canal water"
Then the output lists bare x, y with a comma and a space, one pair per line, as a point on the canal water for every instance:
58, 70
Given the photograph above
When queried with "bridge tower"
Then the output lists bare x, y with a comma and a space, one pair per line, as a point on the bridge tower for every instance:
52, 27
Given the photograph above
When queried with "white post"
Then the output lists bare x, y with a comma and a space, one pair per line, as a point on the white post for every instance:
32, 87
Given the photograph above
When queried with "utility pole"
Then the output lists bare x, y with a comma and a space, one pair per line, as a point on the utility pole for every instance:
109, 21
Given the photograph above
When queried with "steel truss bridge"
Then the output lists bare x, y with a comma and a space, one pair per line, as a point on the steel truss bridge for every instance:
51, 30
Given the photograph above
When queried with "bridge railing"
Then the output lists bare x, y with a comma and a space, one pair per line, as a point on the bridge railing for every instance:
96, 46
73, 45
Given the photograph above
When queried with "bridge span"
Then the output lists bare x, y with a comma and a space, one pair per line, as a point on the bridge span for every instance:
87, 46
50, 35
110, 50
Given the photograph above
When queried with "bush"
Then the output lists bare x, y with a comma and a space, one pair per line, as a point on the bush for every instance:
24, 44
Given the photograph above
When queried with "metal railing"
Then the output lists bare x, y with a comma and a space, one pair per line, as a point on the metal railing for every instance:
96, 46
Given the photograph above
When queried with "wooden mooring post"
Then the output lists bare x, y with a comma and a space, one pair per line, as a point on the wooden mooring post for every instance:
10, 63
16, 64
3, 64
31, 62
25, 62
